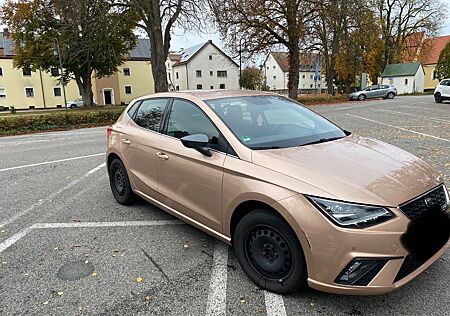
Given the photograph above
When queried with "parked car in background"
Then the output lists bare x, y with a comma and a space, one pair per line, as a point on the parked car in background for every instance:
77, 103
375, 91
301, 200
442, 91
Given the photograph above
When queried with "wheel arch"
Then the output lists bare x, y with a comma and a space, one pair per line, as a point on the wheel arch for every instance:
111, 157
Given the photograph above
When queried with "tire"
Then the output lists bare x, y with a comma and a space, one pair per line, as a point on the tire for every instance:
437, 98
361, 97
120, 183
73, 106
277, 262
390, 95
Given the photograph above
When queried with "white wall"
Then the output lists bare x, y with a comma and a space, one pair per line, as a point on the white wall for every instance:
188, 79
276, 79
420, 80
402, 87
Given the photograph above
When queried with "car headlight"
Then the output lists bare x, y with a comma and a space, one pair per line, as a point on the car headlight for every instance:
352, 215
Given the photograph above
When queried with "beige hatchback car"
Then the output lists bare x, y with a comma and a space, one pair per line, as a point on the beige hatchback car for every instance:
302, 201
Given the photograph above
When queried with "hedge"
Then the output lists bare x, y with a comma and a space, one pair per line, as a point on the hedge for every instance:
323, 98
21, 124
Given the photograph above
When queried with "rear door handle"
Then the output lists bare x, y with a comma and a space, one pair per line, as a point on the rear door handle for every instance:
126, 141
162, 156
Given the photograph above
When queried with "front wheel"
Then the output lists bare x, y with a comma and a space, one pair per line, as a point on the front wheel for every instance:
361, 97
437, 98
120, 183
269, 252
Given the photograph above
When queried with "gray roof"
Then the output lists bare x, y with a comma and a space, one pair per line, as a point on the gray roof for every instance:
142, 49
7, 44
189, 52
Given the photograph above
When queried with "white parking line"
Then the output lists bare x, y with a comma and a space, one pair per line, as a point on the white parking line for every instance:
400, 128
421, 116
50, 162
217, 297
50, 197
274, 304
19, 235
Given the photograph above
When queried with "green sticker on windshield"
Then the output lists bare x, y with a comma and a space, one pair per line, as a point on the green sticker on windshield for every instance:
246, 139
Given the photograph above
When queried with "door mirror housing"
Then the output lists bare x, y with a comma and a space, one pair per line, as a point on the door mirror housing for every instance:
198, 142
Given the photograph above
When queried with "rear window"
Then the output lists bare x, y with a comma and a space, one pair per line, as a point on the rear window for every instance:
150, 113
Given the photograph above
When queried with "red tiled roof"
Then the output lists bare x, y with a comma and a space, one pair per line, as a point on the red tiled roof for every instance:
432, 49
282, 59
412, 46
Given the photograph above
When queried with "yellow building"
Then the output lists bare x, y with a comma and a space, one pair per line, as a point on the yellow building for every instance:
429, 58
38, 90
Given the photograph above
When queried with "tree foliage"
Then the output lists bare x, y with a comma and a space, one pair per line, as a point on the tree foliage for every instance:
443, 65
94, 37
251, 79
251, 26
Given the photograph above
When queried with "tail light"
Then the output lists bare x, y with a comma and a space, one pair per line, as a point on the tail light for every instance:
109, 130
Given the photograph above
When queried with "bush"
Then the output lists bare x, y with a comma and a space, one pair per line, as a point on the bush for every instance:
10, 125
308, 99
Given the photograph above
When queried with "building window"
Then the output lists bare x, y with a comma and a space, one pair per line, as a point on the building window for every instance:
210, 57
198, 73
177, 88
26, 72
274, 77
211, 73
311, 85
406, 81
57, 91
1, 71
310, 76
304, 76
274, 67
29, 92
434, 75
176, 75
54, 72
127, 89
222, 73
170, 79
212, 87
126, 72
222, 86
267, 67
2, 92
199, 87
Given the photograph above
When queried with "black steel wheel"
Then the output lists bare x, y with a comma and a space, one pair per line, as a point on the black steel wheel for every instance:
269, 252
120, 183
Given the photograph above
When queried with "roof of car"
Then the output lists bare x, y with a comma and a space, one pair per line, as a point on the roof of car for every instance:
212, 94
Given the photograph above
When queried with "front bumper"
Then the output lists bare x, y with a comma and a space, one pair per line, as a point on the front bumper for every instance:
328, 249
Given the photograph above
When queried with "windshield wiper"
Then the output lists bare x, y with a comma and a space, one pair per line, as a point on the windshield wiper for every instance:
322, 140
265, 147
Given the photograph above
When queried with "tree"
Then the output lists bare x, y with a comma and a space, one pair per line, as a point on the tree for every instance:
251, 79
157, 18
400, 20
443, 65
264, 23
93, 35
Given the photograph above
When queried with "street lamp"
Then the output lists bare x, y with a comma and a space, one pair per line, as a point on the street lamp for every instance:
240, 63
57, 52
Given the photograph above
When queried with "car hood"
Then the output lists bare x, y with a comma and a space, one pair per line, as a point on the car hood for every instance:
354, 169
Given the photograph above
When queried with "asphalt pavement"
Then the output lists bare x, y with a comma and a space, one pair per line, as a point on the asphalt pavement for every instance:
67, 248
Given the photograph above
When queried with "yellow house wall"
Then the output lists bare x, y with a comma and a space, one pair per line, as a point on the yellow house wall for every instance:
140, 79
429, 82
15, 83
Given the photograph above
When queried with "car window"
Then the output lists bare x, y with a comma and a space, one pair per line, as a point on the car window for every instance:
133, 109
375, 87
186, 118
265, 122
445, 83
150, 112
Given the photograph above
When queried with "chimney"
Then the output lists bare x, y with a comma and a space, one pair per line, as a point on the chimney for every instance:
6, 32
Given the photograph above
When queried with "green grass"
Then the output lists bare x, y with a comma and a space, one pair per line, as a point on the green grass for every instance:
57, 120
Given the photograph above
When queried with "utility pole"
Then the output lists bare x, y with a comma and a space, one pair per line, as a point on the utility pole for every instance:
57, 52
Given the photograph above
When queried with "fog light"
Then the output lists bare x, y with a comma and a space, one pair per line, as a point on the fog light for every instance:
360, 271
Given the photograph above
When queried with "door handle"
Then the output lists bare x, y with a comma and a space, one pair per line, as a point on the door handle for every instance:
126, 141
162, 156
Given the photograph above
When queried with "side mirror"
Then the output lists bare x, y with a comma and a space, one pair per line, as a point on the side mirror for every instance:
198, 142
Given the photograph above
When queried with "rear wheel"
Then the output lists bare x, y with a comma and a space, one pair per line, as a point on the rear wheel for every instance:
390, 95
361, 97
269, 252
120, 183
73, 106
438, 98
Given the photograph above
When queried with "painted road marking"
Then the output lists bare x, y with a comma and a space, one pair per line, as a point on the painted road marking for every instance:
400, 128
420, 116
51, 162
274, 304
217, 296
50, 197
19, 235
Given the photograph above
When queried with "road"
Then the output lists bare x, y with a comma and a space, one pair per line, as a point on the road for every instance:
67, 248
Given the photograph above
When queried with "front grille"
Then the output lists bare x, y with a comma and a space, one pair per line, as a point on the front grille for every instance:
416, 208
410, 264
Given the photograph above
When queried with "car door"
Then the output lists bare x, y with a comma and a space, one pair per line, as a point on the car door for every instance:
191, 182
139, 143
446, 88
374, 91
383, 91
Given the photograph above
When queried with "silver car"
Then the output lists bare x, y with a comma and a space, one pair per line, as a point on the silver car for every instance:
375, 91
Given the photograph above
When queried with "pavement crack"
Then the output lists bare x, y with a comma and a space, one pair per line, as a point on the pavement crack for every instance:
156, 264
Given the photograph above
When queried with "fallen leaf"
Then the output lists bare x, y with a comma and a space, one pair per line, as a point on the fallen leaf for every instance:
60, 293
242, 300
86, 262
76, 245
312, 304
94, 274
186, 244
2, 231
45, 303
138, 279
261, 310
4, 263
148, 298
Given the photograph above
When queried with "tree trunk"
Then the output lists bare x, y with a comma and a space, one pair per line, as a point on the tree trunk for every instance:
294, 67
84, 83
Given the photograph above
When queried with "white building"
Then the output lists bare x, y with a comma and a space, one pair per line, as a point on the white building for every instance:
276, 72
407, 78
203, 66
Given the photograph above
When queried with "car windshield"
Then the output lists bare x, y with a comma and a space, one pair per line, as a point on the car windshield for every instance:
270, 122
